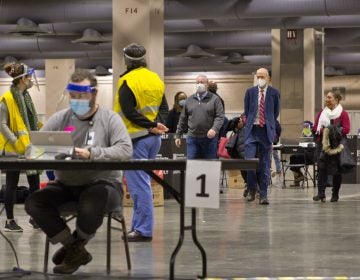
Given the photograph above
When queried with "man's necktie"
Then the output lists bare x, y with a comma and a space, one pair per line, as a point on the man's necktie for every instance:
262, 109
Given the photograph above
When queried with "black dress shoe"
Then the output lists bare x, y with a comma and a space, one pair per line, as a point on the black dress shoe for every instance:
246, 192
135, 236
321, 198
334, 198
263, 201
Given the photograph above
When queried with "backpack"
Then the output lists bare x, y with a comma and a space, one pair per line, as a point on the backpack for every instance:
22, 193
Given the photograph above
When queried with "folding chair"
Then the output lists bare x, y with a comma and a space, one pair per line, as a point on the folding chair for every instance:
286, 151
69, 211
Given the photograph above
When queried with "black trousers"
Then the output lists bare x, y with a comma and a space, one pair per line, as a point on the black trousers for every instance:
325, 168
93, 202
323, 180
12, 180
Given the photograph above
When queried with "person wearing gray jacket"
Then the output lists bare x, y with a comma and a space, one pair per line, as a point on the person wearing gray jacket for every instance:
97, 134
203, 116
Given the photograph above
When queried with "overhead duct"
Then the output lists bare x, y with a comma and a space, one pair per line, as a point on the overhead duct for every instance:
204, 9
86, 63
9, 59
92, 37
174, 62
45, 11
236, 24
26, 27
28, 45
221, 40
234, 58
331, 71
65, 29
194, 51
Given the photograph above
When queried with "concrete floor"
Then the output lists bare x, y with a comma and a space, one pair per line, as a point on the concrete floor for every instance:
292, 237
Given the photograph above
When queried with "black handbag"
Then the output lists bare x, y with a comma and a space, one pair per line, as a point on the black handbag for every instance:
231, 145
347, 160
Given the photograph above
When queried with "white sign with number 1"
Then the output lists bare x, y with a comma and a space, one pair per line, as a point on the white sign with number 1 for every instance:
202, 184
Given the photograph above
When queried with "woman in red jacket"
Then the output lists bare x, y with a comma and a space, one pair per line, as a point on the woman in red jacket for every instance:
333, 114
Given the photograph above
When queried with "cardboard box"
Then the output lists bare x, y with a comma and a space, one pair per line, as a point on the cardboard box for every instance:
157, 190
235, 180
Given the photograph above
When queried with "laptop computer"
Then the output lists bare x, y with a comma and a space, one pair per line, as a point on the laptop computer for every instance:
306, 139
307, 142
47, 144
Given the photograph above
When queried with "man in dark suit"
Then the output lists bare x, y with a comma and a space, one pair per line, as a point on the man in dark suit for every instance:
262, 104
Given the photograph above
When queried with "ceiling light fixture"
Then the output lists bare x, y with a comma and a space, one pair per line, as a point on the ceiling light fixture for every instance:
234, 58
92, 37
194, 51
27, 27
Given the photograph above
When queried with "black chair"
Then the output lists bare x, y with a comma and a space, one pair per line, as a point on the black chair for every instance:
288, 150
69, 211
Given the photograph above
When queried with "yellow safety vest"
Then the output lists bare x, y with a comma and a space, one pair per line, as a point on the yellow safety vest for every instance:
17, 126
148, 90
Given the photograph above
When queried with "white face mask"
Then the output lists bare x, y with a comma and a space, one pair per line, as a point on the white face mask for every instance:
182, 102
200, 88
261, 83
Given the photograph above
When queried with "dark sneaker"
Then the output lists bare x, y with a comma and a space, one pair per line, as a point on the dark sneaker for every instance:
59, 255
251, 195
33, 224
135, 236
246, 192
263, 201
75, 256
12, 226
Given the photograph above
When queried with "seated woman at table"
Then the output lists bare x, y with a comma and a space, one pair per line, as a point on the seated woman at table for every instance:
236, 149
328, 163
299, 159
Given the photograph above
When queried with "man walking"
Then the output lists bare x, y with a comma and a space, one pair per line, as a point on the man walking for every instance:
262, 104
202, 116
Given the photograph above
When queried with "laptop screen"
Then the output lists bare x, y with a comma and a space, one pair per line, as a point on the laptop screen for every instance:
46, 144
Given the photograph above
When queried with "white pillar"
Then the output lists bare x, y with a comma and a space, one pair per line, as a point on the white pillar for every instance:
142, 22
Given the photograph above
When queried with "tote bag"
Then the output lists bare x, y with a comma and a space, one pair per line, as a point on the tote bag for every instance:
347, 161
222, 151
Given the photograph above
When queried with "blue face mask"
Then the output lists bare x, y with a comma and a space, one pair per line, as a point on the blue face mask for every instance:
80, 106
182, 102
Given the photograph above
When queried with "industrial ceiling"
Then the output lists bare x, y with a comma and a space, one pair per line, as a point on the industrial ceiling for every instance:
200, 35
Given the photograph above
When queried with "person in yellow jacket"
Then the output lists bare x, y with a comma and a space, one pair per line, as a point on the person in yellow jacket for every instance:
141, 103
17, 117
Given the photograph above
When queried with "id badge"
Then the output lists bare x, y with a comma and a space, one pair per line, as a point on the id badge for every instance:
90, 138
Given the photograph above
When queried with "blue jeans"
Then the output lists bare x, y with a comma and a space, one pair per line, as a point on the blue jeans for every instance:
277, 160
201, 147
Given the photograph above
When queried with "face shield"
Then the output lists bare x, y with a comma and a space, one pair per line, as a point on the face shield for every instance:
78, 88
79, 103
31, 73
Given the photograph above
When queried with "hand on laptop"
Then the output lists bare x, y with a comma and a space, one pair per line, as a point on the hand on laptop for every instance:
81, 153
